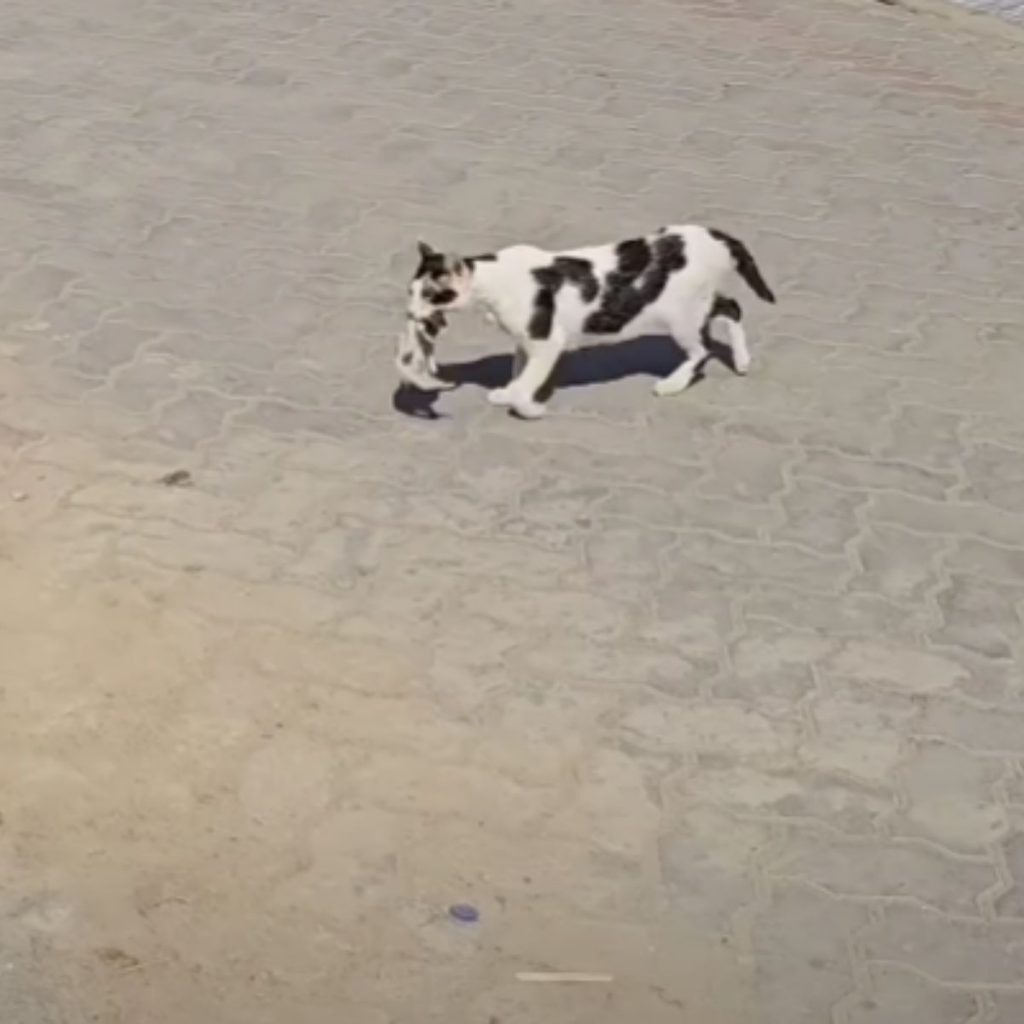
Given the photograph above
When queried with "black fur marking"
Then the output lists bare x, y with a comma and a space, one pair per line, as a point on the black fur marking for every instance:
578, 272
487, 257
431, 325
543, 314
440, 296
569, 270
432, 264
634, 256
641, 275
745, 265
406, 358
551, 279
724, 306
548, 278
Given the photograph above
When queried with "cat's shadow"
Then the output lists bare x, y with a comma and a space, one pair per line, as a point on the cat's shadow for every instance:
649, 356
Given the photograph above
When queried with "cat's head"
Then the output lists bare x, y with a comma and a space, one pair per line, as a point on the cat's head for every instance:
441, 282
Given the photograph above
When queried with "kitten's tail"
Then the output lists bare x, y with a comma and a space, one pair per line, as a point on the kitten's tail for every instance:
745, 265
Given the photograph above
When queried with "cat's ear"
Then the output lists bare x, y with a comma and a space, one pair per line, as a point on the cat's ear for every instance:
425, 250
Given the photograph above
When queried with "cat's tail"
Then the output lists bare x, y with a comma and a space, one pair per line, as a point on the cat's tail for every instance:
745, 265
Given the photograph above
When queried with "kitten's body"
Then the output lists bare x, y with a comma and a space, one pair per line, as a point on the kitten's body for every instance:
673, 282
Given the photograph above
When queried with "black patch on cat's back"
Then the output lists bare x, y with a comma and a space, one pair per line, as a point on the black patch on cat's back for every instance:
562, 271
642, 270
634, 257
549, 278
578, 272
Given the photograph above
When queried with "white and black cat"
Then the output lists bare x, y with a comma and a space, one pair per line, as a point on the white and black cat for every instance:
673, 282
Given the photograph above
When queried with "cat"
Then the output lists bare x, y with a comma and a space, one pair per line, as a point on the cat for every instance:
671, 282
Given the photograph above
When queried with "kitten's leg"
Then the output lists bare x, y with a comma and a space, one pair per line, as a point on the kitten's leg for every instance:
686, 332
541, 357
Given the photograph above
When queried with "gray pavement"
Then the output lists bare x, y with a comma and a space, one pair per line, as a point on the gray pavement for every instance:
720, 695
1011, 10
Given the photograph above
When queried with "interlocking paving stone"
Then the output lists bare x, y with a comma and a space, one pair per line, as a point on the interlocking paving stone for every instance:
718, 694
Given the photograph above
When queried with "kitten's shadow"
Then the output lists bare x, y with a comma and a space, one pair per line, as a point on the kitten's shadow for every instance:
650, 356
411, 401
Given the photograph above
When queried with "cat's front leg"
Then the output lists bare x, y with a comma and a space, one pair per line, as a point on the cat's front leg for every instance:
504, 396
499, 396
541, 356
518, 361
525, 408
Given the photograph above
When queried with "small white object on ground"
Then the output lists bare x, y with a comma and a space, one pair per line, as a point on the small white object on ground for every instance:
563, 976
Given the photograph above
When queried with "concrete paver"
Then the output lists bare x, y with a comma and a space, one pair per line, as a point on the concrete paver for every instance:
1012, 10
721, 695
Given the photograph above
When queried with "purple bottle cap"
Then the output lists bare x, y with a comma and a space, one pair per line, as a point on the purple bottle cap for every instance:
464, 912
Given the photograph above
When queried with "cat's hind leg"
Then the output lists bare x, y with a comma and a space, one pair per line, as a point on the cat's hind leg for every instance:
727, 314
687, 330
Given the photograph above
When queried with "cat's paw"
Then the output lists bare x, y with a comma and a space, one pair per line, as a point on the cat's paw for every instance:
669, 386
501, 396
741, 364
529, 410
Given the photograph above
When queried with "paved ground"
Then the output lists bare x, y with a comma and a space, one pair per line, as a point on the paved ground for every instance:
1012, 10
716, 694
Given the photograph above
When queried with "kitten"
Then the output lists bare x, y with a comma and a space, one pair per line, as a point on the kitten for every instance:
415, 359
671, 282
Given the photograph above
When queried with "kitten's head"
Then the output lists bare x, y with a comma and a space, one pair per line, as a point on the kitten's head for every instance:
441, 282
